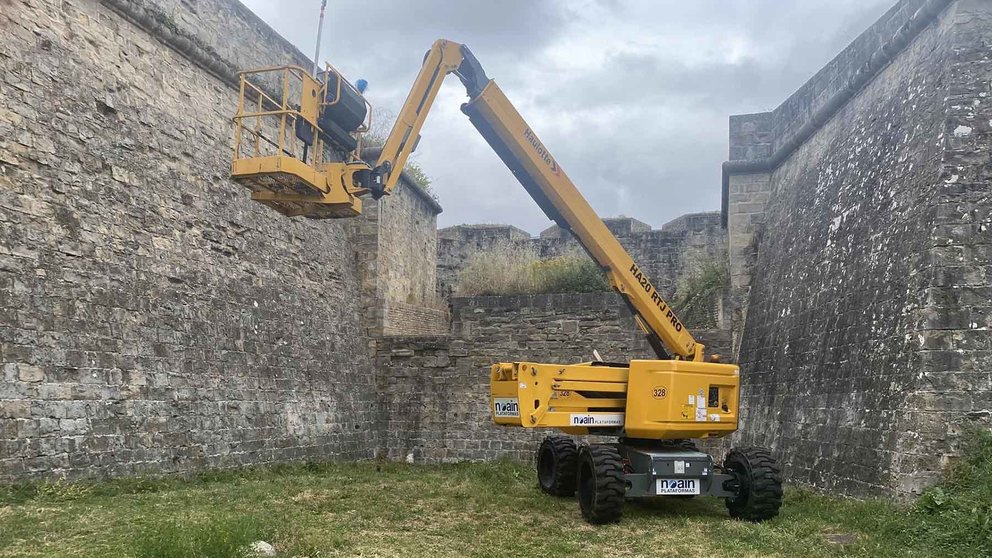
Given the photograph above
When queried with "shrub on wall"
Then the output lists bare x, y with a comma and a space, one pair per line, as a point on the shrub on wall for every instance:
571, 273
697, 295
516, 269
957, 513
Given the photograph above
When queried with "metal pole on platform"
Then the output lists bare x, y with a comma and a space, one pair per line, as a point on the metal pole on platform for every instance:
320, 31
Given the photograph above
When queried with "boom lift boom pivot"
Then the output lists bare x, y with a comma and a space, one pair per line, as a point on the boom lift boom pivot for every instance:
653, 407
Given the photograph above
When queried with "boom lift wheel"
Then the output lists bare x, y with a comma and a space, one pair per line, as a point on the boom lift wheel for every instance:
556, 462
601, 484
759, 478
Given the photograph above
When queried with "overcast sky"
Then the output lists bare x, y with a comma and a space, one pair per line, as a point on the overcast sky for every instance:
632, 97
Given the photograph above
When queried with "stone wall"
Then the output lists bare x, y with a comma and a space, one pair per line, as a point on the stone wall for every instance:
435, 390
155, 320
953, 330
404, 319
393, 234
859, 241
152, 318
668, 255
222, 27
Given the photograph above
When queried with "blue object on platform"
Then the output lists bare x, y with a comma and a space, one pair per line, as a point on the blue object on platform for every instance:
361, 85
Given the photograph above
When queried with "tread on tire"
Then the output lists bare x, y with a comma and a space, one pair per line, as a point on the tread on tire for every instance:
760, 478
557, 461
601, 484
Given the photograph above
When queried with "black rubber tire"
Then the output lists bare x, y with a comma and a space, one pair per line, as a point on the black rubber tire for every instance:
759, 495
600, 484
557, 460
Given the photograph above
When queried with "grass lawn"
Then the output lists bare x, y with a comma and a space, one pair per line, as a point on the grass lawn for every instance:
472, 509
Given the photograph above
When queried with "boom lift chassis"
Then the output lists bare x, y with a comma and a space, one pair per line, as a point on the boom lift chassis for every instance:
653, 408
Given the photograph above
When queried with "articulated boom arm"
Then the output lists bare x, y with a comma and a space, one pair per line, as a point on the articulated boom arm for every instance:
529, 160
444, 57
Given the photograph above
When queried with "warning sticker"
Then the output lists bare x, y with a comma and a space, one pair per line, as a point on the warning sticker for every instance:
700, 414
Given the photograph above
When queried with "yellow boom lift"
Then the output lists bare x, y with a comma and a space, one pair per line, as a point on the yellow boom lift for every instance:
298, 147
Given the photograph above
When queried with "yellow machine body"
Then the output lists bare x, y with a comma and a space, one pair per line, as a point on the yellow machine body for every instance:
649, 399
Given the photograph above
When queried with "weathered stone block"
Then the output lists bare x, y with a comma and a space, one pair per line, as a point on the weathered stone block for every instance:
12, 409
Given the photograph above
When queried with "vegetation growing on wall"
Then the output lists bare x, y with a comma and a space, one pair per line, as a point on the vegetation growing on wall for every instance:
516, 269
957, 513
698, 295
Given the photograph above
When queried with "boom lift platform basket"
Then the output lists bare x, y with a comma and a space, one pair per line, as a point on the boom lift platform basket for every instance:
290, 158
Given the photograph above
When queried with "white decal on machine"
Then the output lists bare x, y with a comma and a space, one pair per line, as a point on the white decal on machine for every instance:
677, 486
597, 420
506, 407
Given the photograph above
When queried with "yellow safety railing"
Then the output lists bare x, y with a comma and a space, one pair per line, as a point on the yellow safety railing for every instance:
265, 126
281, 153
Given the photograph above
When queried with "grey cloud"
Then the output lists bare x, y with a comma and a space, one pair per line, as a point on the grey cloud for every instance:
384, 41
631, 80
657, 156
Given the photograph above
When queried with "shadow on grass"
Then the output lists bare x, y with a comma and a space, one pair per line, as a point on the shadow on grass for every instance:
700, 507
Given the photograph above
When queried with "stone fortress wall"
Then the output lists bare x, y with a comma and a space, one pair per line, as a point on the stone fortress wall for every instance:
154, 320
860, 237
